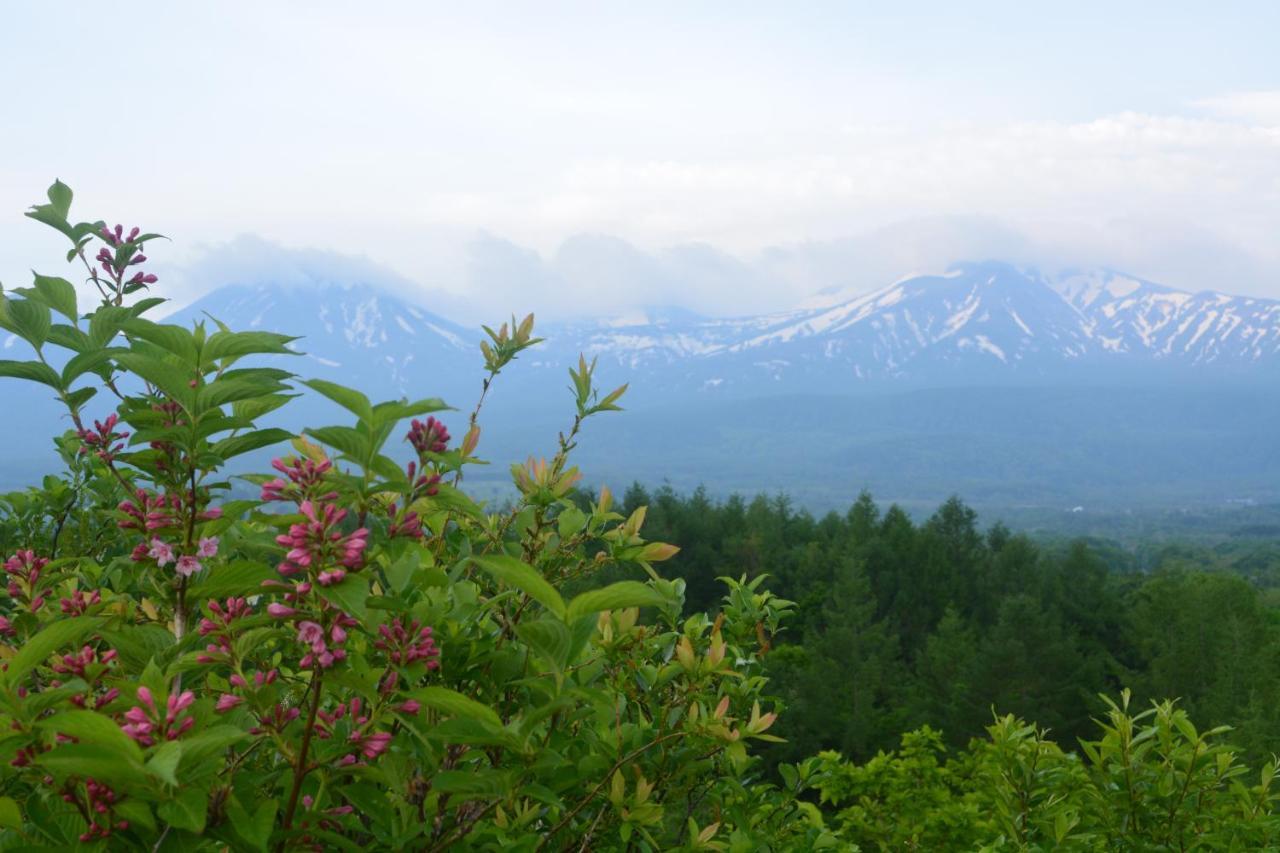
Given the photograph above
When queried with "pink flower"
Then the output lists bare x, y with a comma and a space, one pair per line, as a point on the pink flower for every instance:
188, 565
331, 577
371, 745
404, 645
160, 552
311, 634
138, 726
280, 611
429, 437
78, 603
226, 702
410, 706
208, 547
178, 704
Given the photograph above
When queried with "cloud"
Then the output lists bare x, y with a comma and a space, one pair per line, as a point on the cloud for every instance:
1258, 108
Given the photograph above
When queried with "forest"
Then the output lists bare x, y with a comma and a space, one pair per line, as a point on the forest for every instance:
899, 625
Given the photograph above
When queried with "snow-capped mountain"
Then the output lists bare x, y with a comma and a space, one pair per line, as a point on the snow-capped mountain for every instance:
351, 333
978, 323
1129, 315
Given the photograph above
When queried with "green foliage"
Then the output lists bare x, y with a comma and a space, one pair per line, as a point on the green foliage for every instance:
363, 656
1150, 781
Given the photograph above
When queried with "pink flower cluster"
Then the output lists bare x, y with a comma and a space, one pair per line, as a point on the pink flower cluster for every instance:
408, 524
218, 628
144, 722
24, 569
149, 512
99, 801
428, 437
305, 480
365, 743
107, 258
89, 666
164, 554
405, 645
317, 540
229, 701
276, 720
324, 648
79, 603
103, 439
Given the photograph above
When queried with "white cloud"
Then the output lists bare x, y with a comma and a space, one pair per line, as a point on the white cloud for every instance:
1260, 108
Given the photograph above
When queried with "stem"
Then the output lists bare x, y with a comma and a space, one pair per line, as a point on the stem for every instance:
564, 821
300, 769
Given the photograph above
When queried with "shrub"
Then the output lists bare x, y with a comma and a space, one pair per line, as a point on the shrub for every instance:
359, 655
1151, 781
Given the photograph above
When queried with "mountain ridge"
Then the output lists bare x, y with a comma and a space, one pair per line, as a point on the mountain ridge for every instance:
975, 323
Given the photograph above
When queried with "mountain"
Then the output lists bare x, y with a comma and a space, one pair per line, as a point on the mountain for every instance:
350, 332
982, 323
1005, 384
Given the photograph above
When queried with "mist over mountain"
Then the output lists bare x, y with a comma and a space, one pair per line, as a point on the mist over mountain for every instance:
1002, 382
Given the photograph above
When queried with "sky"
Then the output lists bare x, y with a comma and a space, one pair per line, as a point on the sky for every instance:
588, 157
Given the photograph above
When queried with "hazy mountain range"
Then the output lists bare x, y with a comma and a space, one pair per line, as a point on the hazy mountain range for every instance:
977, 324
993, 374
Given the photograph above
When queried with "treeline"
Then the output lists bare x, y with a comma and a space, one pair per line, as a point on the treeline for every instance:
901, 624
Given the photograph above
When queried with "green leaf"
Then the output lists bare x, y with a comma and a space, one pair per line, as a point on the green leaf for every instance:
91, 727
34, 371
10, 814
80, 396
93, 759
237, 344
613, 597
82, 363
256, 407
235, 445
211, 741
400, 573
172, 339
186, 811
105, 323
53, 637
348, 398
55, 212
525, 578
394, 411
163, 764
454, 704
27, 319
242, 577
350, 594
345, 440
136, 812
474, 783
256, 828
169, 378
60, 196
58, 293
549, 638
68, 337
228, 389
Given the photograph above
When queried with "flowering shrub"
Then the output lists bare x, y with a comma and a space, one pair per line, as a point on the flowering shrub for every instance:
362, 656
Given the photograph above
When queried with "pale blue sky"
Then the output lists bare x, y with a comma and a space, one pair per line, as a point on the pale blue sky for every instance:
1141, 135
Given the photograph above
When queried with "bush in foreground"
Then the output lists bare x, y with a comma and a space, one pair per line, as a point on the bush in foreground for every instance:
362, 656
